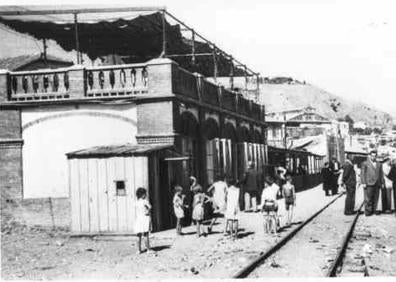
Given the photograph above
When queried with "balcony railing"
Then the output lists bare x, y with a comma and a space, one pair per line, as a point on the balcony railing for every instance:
107, 81
228, 99
116, 80
276, 142
185, 83
39, 85
124, 81
196, 86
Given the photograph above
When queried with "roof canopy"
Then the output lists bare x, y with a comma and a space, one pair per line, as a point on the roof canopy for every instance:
124, 150
135, 34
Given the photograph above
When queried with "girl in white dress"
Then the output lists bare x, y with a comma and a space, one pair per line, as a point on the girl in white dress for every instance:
219, 189
232, 208
142, 221
178, 208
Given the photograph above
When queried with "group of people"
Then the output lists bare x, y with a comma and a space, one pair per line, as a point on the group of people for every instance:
330, 175
225, 200
224, 195
377, 178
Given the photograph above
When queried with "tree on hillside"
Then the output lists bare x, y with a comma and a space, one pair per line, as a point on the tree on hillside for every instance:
350, 121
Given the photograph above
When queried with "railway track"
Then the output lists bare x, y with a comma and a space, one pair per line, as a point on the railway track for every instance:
336, 266
247, 270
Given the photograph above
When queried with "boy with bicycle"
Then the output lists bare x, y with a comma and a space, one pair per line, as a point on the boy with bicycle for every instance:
269, 205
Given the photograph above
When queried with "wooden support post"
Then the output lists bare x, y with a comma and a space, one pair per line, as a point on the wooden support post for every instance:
258, 88
214, 64
163, 54
246, 80
76, 38
193, 46
232, 74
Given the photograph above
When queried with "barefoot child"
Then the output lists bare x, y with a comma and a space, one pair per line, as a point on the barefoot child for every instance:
142, 222
198, 207
232, 208
219, 189
178, 207
289, 194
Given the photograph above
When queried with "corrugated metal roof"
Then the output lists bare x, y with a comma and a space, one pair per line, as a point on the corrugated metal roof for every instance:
116, 151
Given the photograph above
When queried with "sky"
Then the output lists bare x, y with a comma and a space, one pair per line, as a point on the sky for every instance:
345, 47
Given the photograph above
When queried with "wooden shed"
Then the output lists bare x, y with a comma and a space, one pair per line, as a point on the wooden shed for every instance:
103, 182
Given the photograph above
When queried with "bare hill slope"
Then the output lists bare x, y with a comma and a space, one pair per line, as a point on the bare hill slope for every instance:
277, 97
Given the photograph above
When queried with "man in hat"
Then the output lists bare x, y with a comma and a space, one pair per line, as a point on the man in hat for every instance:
349, 179
372, 180
336, 170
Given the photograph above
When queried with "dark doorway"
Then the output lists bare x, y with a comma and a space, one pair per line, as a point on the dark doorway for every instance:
172, 172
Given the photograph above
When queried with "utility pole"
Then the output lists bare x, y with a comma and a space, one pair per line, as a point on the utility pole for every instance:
76, 38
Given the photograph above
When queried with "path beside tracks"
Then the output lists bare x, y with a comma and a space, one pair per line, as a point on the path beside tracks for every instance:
315, 250
177, 257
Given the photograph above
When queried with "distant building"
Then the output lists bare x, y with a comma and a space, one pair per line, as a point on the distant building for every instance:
340, 127
297, 128
294, 124
360, 125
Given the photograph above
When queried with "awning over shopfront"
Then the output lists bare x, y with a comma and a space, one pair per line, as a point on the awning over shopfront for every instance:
134, 34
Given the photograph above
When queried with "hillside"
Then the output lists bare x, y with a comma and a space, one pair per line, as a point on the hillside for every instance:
277, 97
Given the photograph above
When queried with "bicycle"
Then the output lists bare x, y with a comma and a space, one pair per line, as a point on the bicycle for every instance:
271, 219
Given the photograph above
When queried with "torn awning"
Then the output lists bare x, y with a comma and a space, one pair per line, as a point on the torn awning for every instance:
136, 36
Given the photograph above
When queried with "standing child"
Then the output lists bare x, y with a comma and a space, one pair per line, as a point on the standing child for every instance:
178, 207
198, 207
232, 208
269, 203
289, 194
142, 222
219, 199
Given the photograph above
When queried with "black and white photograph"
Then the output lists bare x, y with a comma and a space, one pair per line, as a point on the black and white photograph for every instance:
171, 139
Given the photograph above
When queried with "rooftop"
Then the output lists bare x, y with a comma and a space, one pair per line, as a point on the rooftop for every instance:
136, 34
124, 150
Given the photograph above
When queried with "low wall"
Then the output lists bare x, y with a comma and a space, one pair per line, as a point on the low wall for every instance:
44, 212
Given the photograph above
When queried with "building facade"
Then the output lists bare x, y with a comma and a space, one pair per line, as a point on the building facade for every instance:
47, 114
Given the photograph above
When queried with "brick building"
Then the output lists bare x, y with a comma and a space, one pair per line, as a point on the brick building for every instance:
199, 127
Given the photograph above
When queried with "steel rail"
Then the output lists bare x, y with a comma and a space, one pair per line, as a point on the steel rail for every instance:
245, 271
332, 272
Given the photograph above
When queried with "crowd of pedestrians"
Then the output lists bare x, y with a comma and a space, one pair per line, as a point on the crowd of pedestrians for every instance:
376, 177
224, 196
378, 180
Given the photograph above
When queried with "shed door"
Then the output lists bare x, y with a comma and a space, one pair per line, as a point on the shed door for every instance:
102, 193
